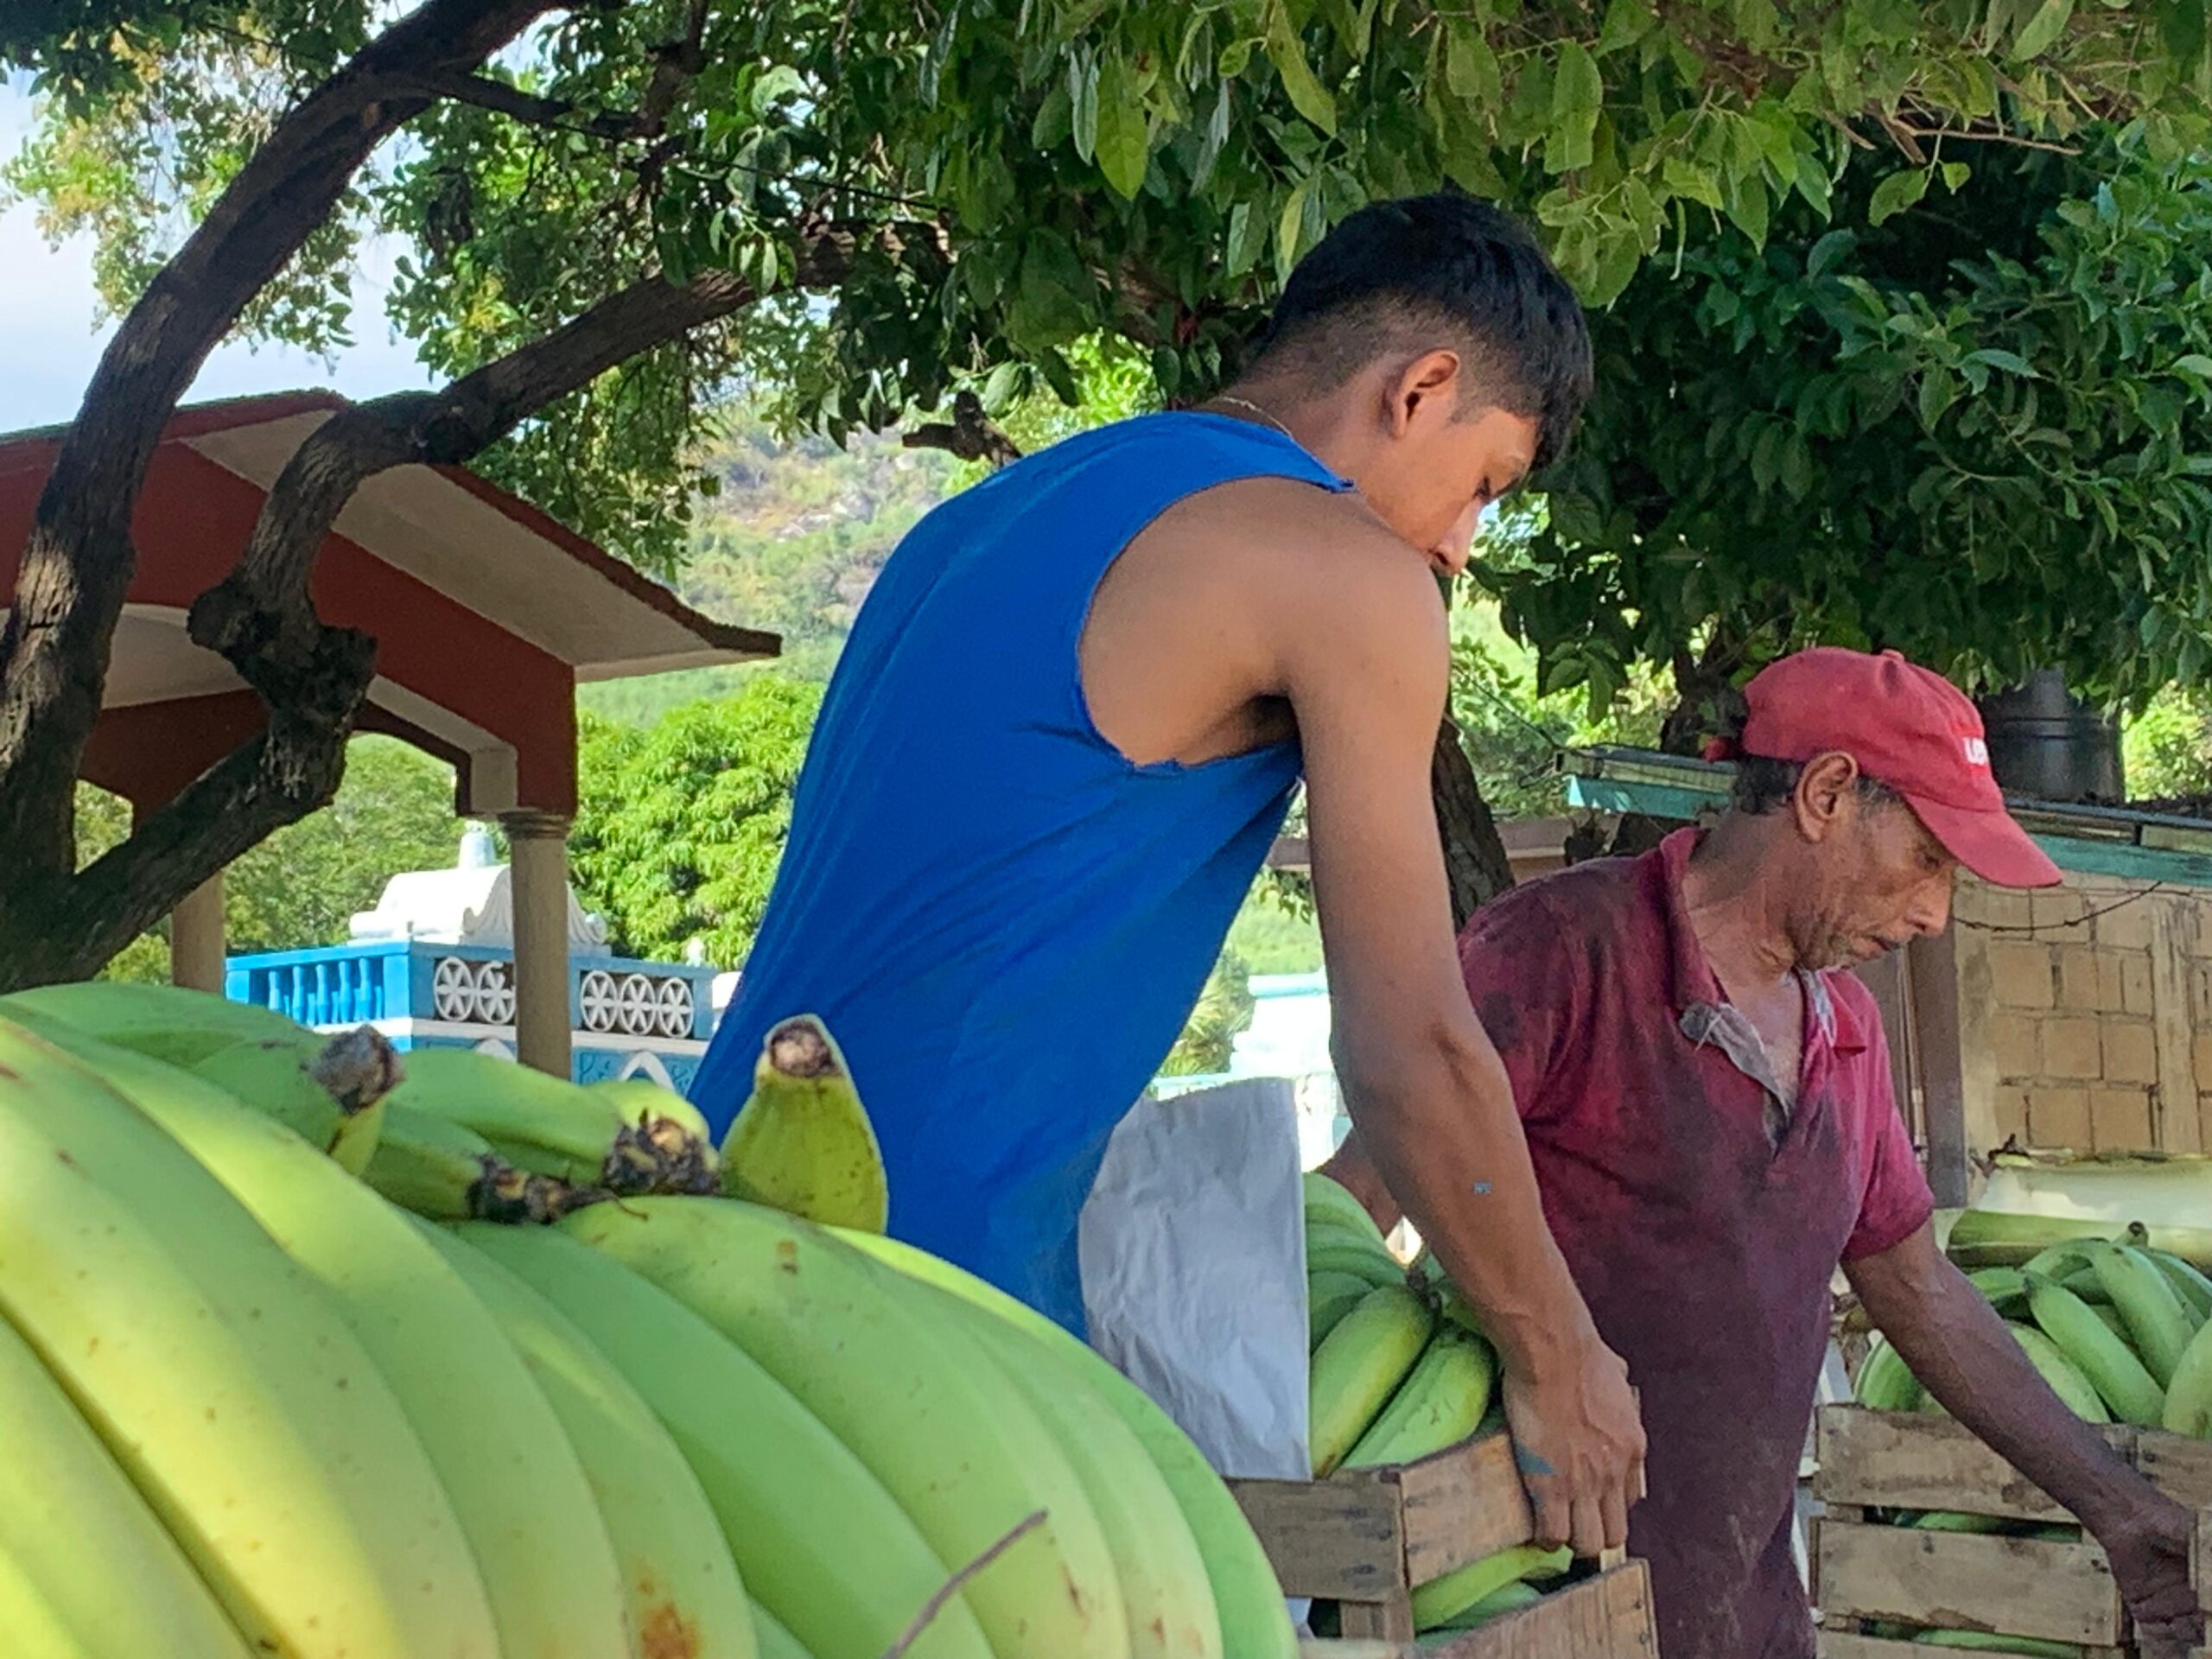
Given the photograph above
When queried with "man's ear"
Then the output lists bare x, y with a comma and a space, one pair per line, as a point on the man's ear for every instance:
1824, 790
1430, 383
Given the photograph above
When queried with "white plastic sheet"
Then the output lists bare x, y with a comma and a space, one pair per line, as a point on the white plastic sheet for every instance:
1193, 1249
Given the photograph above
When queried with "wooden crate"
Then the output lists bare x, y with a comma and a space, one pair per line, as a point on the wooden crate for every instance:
1363, 1538
2057, 1591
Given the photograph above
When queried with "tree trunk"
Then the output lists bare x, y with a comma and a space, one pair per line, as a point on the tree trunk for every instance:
1475, 863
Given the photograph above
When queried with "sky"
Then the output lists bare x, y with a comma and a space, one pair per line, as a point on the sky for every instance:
50, 338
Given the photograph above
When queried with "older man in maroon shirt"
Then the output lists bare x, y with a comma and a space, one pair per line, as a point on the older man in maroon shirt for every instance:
1705, 1096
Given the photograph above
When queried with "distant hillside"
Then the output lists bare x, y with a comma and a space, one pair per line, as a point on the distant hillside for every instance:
791, 542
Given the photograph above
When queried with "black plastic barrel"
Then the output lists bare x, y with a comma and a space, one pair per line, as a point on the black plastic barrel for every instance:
2049, 745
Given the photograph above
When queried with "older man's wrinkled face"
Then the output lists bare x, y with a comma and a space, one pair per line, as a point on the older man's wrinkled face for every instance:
1879, 879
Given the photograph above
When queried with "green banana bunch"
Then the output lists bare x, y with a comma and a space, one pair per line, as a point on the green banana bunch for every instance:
1359, 1366
1511, 1599
1328, 1202
442, 1172
926, 1410
1254, 1625
681, 1587
548, 1125
2189, 1282
1886, 1383
2062, 1373
1333, 1251
234, 1397
2109, 1363
2156, 1319
330, 1094
1440, 1402
73, 1529
525, 1507
1329, 1297
160, 1020
818, 1541
2189, 1393
802, 1142
1442, 1600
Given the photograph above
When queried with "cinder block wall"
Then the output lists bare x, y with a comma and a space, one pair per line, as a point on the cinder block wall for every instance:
2086, 1015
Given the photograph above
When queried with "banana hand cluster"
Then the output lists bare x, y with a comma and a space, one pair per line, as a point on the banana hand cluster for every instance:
1401, 1370
287, 1371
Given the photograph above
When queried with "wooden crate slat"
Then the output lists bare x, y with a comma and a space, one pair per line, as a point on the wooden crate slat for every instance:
2179, 1467
1463, 1505
1608, 1617
1344, 1539
1842, 1644
1880, 1460
2023, 1587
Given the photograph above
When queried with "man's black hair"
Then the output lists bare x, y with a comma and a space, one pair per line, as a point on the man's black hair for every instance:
1443, 269
1763, 784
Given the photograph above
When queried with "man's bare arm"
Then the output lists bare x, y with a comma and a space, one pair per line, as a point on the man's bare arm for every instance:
1350, 1168
1954, 1342
1364, 659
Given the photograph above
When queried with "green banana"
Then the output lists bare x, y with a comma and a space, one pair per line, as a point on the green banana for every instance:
817, 1540
231, 1394
2189, 1399
1164, 1591
1327, 1197
2063, 1375
161, 1021
1886, 1383
2108, 1363
330, 1097
1444, 1599
524, 1506
30, 1625
443, 1172
2112, 1322
2031, 1647
771, 1640
640, 1100
1955, 1521
2003, 1288
682, 1588
1510, 1598
2190, 1284
1439, 1403
542, 1124
802, 1142
74, 1529
952, 1440
1377, 1266
1359, 1366
1254, 1625
1329, 1297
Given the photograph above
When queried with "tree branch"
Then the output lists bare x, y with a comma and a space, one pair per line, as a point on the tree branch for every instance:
501, 99
78, 562
970, 435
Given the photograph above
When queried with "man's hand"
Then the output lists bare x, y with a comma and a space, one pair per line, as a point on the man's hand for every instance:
2149, 1546
1579, 1441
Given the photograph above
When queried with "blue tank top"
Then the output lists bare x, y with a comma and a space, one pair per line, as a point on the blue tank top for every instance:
1003, 921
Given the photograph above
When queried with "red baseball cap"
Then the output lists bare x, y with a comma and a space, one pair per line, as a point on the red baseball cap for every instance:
1907, 727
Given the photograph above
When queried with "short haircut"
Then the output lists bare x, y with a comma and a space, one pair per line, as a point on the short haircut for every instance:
1443, 270
1763, 784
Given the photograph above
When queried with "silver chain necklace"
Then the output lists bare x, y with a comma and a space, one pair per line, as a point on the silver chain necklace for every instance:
1244, 403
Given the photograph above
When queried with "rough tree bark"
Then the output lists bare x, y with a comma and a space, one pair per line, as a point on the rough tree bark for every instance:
1474, 853
78, 560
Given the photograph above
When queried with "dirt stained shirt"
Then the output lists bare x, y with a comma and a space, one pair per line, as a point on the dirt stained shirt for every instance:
1701, 1213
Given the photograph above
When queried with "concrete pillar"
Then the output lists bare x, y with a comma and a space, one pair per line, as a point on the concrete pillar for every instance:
196, 938
538, 843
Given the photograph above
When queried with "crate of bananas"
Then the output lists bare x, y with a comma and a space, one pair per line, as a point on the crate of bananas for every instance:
1929, 1539
1414, 1535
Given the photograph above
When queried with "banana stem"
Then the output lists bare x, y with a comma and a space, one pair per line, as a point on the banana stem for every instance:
357, 1067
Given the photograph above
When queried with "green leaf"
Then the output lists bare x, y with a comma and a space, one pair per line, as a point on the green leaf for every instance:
1470, 67
1124, 136
1082, 93
1627, 22
2042, 30
1826, 251
1217, 135
1247, 236
1287, 53
1938, 392
1055, 118
1895, 194
1235, 58
1290, 229
1956, 175
1577, 98
2194, 363
2011, 362
1748, 208
1692, 180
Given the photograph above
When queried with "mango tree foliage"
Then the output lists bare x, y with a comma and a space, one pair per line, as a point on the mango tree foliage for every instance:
1980, 433
612, 212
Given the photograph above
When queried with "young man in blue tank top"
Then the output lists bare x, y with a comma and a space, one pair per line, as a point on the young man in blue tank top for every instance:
1063, 734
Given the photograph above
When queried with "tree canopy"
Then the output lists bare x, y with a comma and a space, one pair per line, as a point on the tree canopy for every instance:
1979, 432
611, 213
